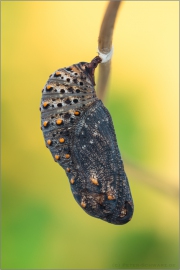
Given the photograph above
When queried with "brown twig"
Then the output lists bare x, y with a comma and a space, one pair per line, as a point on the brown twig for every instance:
163, 186
105, 44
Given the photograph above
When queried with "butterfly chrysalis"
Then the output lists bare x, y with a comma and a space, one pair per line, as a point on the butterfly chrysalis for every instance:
79, 132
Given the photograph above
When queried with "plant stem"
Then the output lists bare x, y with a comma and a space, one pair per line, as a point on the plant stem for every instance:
105, 44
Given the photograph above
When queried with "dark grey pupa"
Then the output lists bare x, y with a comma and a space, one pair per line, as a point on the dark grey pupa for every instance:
79, 132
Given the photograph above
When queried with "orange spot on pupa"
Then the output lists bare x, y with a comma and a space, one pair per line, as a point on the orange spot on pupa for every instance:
57, 157
45, 123
58, 73
49, 87
67, 156
94, 181
59, 121
72, 181
83, 204
61, 140
76, 113
111, 197
49, 142
45, 104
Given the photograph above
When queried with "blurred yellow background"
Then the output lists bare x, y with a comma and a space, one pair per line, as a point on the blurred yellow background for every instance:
42, 225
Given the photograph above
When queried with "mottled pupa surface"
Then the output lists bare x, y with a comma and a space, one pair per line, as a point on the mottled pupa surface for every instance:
79, 132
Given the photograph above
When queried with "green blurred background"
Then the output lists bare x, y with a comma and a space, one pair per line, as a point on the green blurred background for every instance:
42, 225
